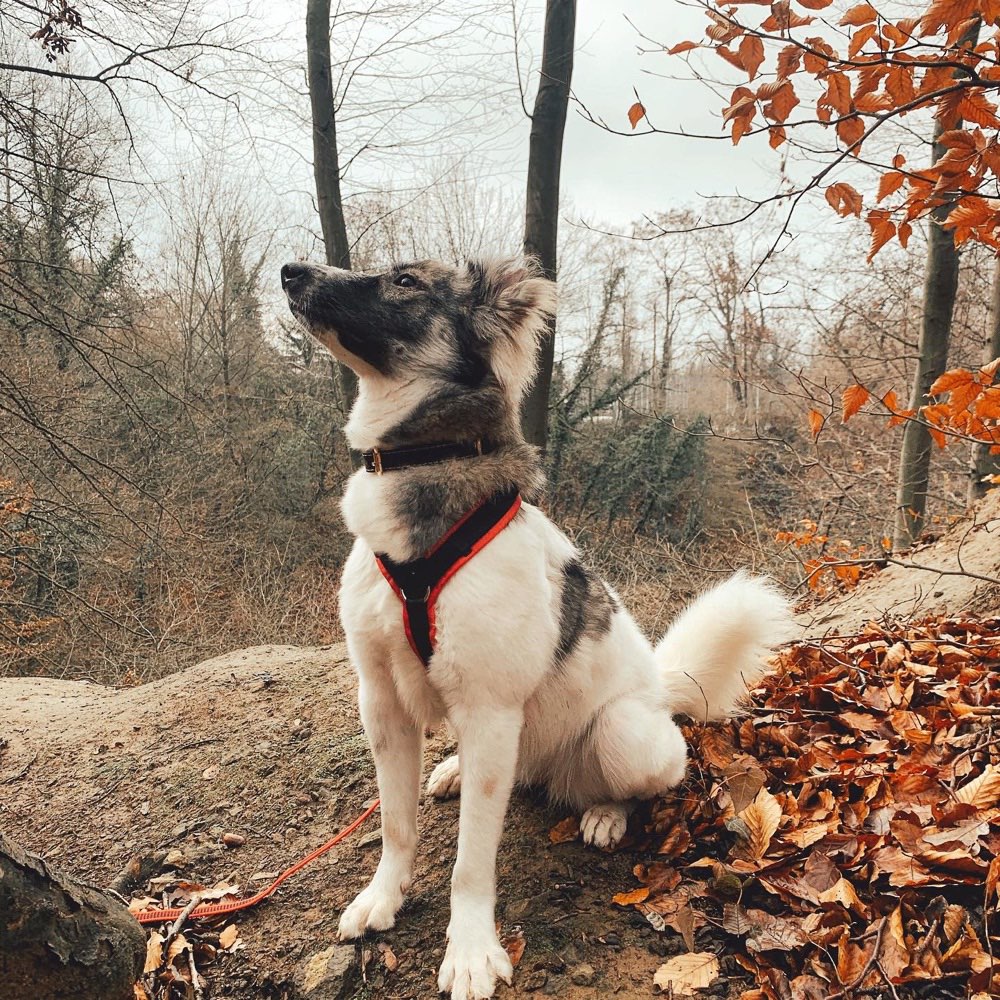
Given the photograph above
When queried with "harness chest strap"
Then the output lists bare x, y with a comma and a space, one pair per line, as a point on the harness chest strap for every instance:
419, 583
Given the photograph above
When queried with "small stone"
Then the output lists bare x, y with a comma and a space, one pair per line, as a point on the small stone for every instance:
374, 837
582, 974
232, 840
330, 974
612, 939
536, 980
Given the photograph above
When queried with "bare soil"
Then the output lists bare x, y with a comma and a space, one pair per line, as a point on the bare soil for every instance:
266, 743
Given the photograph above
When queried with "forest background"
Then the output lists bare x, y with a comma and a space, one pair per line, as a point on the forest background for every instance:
171, 452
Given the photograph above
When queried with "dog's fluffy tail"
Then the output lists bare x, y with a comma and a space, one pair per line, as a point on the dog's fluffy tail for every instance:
717, 647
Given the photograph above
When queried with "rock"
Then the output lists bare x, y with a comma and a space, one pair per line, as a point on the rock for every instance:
535, 980
582, 974
374, 837
232, 840
331, 974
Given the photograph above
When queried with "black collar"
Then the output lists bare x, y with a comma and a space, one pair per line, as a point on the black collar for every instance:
379, 460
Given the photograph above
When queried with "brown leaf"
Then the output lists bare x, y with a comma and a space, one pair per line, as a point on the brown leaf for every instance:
228, 936
154, 952
514, 944
565, 830
984, 791
762, 817
636, 113
389, 957
743, 784
685, 974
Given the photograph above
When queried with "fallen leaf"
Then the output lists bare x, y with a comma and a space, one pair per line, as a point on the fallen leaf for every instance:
631, 898
762, 817
685, 974
389, 959
228, 936
565, 830
154, 952
743, 784
514, 944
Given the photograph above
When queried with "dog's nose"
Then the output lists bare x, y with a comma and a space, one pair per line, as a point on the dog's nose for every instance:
292, 274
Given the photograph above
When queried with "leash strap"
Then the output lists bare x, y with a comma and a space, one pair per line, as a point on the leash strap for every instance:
419, 583
379, 461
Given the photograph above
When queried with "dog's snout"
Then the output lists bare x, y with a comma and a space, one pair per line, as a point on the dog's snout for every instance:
292, 274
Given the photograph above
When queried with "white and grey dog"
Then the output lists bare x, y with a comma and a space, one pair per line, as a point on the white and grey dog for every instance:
541, 672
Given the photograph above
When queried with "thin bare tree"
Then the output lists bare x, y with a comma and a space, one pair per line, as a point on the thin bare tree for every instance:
541, 206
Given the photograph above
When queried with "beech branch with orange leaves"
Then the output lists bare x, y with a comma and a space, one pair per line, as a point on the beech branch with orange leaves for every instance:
885, 70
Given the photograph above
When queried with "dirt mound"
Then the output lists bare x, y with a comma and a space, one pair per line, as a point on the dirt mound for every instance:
266, 743
958, 573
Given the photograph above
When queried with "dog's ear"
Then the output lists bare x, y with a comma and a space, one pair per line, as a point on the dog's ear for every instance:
511, 298
511, 305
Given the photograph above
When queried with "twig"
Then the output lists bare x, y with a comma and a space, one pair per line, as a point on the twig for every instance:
179, 922
199, 990
869, 965
888, 982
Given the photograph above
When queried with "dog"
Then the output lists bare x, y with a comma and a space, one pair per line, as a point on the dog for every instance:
540, 671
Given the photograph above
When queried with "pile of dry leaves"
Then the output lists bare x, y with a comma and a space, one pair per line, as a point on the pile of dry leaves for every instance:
846, 835
177, 953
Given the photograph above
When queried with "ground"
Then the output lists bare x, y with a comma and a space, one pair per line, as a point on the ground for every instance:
266, 743
263, 749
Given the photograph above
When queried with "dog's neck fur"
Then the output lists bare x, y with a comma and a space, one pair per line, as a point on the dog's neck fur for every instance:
404, 512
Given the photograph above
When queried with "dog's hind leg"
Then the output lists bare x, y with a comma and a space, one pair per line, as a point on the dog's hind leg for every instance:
634, 750
603, 825
396, 745
445, 781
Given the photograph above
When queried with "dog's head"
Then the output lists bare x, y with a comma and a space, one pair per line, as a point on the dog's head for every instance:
470, 326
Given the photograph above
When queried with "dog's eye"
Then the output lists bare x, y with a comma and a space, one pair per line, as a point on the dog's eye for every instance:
406, 281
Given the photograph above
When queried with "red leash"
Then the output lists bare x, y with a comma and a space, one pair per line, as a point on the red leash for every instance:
205, 910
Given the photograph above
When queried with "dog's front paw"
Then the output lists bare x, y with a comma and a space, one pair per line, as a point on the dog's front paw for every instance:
445, 781
604, 825
373, 909
473, 963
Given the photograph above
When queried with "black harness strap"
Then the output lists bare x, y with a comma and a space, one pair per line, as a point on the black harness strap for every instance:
418, 583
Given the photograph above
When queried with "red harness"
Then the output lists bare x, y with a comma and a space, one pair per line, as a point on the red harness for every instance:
419, 583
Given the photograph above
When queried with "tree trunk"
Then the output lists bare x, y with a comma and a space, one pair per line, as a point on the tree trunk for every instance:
59, 939
984, 464
541, 207
326, 159
940, 289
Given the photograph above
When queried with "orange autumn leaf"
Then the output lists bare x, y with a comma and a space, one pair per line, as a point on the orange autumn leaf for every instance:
863, 13
844, 199
631, 898
854, 397
564, 831
636, 113
816, 421
889, 184
751, 54
950, 380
